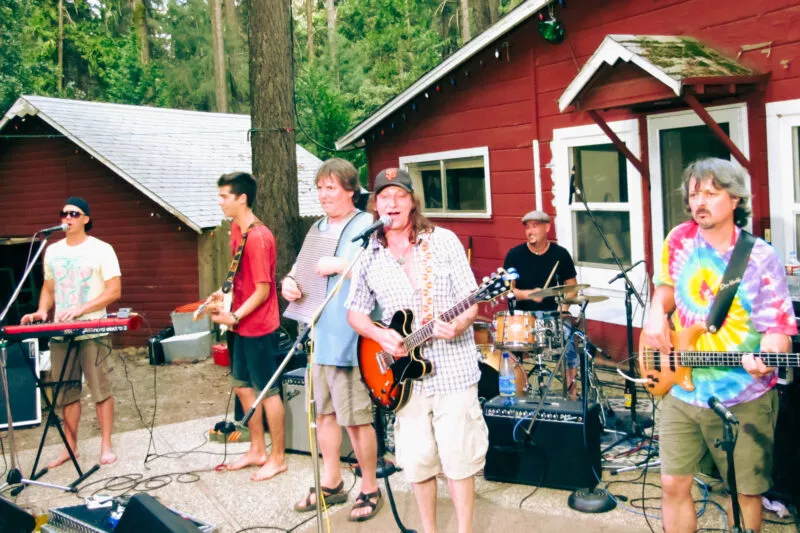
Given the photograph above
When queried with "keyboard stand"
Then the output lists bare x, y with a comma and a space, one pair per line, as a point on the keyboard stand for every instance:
52, 418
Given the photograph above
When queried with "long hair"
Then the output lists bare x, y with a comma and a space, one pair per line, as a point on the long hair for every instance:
419, 222
725, 175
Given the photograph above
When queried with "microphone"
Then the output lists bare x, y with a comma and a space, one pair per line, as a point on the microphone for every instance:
722, 411
618, 276
382, 222
571, 185
47, 231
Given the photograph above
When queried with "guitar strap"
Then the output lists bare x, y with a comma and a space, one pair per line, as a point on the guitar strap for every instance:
730, 281
227, 285
427, 278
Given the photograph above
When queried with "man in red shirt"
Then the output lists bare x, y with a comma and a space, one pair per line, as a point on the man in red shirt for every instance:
254, 319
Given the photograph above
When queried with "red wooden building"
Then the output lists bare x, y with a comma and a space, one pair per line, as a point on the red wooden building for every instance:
499, 128
149, 176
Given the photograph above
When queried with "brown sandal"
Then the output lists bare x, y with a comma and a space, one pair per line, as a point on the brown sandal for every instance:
332, 497
365, 500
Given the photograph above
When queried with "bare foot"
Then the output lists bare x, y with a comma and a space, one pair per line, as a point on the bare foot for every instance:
269, 471
248, 459
61, 459
107, 457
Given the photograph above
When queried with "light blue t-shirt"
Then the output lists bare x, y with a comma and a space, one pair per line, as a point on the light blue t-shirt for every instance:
336, 343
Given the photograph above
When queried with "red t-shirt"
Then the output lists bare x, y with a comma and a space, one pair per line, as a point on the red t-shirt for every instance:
256, 266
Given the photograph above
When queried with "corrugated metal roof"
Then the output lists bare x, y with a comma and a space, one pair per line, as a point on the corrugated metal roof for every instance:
173, 156
668, 58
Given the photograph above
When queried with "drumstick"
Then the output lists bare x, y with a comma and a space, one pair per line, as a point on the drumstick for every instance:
546, 283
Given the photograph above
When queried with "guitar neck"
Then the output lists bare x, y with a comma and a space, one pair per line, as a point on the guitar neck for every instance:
426, 332
734, 359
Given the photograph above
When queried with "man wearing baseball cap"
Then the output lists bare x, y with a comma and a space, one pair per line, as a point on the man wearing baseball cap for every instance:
534, 260
81, 277
413, 265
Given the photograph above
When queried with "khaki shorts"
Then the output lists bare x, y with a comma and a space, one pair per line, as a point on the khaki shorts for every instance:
340, 390
443, 433
92, 360
687, 431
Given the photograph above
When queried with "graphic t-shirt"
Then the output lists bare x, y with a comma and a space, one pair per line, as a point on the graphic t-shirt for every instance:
762, 305
80, 273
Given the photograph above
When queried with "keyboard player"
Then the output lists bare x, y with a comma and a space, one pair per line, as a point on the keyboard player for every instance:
81, 278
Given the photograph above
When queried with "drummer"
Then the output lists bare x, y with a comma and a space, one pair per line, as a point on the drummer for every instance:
534, 260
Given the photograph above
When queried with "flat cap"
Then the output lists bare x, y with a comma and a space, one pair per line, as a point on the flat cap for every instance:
536, 216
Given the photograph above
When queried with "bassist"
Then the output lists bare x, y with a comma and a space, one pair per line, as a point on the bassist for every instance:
413, 266
695, 256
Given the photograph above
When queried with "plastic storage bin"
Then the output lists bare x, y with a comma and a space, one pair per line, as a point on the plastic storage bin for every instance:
188, 347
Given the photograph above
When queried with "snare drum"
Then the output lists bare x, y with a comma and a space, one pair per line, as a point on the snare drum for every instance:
514, 332
549, 331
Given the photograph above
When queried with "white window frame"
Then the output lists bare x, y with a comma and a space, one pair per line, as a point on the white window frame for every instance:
782, 118
564, 139
482, 151
733, 114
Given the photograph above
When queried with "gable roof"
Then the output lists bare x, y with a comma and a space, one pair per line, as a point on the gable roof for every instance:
675, 61
513, 19
173, 156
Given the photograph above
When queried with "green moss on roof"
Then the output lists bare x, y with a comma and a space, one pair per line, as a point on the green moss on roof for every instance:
685, 57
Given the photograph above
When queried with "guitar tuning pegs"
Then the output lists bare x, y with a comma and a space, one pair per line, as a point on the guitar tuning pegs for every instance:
485, 279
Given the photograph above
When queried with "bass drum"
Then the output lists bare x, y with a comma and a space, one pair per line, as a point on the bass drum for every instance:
489, 364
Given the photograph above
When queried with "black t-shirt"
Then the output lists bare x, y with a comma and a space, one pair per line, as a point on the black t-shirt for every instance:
534, 270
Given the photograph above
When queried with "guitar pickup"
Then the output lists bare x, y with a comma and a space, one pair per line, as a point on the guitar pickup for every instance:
384, 362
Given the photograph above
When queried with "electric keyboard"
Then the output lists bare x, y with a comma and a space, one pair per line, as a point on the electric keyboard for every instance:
70, 329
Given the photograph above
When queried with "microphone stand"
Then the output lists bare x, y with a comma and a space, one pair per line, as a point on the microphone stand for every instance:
728, 443
14, 476
384, 468
630, 290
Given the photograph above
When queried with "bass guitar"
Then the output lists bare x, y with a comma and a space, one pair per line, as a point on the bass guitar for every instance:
388, 378
663, 370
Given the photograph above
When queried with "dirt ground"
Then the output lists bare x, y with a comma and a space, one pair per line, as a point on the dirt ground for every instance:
180, 392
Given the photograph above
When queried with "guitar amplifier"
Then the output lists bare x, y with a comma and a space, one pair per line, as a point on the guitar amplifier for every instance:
293, 389
22, 362
563, 451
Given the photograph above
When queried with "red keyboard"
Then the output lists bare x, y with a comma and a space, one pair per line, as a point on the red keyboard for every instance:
70, 329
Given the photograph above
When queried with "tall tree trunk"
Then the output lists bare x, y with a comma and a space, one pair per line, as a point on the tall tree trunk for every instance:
332, 35
231, 17
140, 22
218, 46
273, 123
481, 15
60, 71
465, 31
310, 30
494, 11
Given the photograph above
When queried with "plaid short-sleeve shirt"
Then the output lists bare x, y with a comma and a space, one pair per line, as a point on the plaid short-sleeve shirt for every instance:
380, 279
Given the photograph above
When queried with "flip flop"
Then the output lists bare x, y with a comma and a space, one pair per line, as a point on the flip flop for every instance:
365, 500
332, 497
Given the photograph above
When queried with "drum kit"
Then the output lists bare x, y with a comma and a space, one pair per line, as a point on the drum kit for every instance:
533, 341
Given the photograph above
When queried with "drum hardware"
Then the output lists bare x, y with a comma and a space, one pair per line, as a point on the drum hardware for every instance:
558, 290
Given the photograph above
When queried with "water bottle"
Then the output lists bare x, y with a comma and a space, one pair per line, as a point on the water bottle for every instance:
508, 385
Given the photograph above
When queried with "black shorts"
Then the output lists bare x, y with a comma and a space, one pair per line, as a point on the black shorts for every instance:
254, 362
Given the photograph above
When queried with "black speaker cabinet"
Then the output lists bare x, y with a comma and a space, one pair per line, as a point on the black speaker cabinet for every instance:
26, 409
563, 451
13, 519
145, 513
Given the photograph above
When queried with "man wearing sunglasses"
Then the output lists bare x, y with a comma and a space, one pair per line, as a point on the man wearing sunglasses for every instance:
81, 277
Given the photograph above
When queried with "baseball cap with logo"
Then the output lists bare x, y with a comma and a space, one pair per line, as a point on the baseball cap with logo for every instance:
393, 177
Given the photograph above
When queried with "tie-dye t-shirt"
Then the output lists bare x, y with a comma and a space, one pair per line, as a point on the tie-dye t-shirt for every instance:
761, 305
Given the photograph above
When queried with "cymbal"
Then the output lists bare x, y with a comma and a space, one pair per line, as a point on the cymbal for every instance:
558, 290
581, 298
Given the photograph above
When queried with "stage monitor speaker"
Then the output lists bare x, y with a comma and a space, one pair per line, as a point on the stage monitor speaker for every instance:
26, 407
15, 520
145, 513
293, 387
563, 451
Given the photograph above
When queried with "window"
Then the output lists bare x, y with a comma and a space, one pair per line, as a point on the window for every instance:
783, 156
601, 177
452, 184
